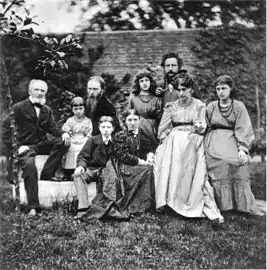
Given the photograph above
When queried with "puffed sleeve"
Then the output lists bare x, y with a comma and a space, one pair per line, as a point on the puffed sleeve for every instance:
201, 117
243, 128
158, 110
89, 128
165, 125
130, 103
67, 127
122, 150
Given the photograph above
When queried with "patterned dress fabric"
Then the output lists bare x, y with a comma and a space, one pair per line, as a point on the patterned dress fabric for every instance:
181, 180
150, 110
80, 130
227, 135
125, 187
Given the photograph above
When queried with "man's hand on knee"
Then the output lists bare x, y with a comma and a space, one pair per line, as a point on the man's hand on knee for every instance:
23, 149
79, 170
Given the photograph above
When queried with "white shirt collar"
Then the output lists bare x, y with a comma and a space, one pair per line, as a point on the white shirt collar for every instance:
106, 140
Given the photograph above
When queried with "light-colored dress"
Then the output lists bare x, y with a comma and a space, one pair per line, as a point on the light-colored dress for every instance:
80, 130
149, 108
181, 180
225, 137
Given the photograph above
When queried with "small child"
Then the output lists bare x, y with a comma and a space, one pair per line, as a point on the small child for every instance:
79, 127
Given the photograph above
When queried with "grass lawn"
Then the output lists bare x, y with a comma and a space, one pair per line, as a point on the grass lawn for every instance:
161, 241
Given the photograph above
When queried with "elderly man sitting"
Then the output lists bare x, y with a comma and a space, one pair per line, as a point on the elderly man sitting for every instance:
34, 120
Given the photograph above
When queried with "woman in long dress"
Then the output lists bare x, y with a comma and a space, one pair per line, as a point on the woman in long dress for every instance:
127, 183
180, 170
147, 105
227, 144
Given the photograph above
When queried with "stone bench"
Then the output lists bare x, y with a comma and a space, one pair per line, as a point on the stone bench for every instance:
52, 191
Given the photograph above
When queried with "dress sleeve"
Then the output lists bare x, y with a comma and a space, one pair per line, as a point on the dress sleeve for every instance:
209, 111
201, 118
165, 125
158, 110
243, 129
122, 150
130, 103
67, 127
88, 132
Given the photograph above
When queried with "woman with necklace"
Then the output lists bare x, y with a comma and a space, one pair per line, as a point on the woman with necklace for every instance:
79, 129
181, 181
227, 144
147, 105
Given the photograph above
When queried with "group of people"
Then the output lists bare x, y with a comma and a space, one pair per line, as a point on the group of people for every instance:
174, 151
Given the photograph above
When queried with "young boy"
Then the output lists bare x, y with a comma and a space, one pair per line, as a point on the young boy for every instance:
91, 160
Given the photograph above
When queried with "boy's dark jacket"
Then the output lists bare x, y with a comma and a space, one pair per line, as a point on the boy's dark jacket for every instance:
94, 153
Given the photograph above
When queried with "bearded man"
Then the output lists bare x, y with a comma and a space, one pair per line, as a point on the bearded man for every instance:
97, 104
34, 121
171, 64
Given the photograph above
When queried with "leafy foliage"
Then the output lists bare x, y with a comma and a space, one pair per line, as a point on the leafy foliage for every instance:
238, 52
150, 14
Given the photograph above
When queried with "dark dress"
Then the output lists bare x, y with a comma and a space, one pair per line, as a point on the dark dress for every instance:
125, 187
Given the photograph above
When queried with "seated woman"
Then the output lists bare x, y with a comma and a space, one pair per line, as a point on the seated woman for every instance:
147, 105
227, 144
127, 183
180, 170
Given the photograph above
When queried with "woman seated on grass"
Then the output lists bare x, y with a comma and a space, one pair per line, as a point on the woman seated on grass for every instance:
126, 184
227, 142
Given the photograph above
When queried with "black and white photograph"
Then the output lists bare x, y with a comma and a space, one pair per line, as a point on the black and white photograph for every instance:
133, 134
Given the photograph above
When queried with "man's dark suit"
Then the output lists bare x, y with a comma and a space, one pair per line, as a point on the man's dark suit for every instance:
93, 157
32, 131
104, 107
94, 153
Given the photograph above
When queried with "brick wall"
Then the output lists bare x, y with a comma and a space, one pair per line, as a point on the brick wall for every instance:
128, 51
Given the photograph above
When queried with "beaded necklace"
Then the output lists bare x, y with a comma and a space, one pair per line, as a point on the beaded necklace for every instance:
227, 110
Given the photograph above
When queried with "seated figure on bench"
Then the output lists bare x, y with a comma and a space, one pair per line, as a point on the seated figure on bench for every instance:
91, 160
34, 121
79, 127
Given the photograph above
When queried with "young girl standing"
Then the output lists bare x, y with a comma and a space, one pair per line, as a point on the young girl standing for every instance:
79, 127
146, 104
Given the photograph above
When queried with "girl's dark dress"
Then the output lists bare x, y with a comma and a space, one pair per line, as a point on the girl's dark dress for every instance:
125, 187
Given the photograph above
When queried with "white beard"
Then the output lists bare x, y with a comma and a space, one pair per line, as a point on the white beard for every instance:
38, 100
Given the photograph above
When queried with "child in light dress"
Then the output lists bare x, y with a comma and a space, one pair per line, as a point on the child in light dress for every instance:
79, 127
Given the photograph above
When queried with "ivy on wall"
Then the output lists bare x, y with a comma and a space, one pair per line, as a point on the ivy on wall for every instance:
238, 52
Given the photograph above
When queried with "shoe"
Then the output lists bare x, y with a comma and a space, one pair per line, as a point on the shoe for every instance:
32, 213
80, 215
218, 225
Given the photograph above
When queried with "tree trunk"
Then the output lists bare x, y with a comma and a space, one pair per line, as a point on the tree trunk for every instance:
258, 112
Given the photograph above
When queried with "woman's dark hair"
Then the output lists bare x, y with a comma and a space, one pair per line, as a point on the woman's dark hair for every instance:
105, 118
172, 55
141, 74
129, 112
77, 101
186, 80
226, 79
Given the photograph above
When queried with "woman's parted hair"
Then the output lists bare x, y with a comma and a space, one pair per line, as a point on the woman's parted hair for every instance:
128, 112
226, 79
141, 74
106, 118
185, 79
